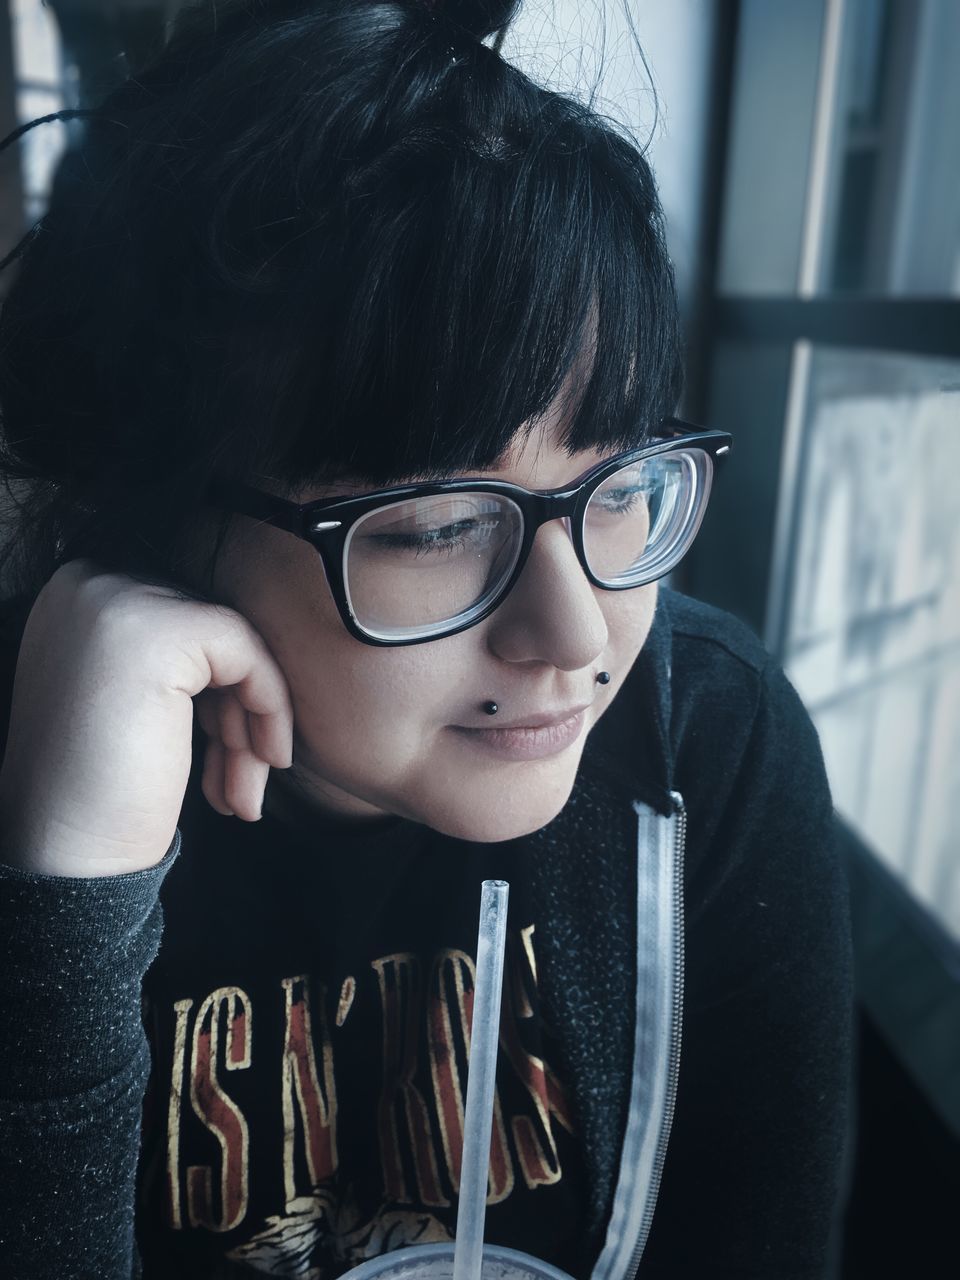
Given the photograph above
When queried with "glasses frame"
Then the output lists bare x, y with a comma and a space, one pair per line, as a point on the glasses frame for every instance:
326, 522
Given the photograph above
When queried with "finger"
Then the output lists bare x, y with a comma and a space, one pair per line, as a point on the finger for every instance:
232, 718
207, 708
213, 777
221, 716
244, 780
238, 658
271, 738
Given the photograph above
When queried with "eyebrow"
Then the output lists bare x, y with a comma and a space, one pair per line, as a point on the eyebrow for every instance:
347, 485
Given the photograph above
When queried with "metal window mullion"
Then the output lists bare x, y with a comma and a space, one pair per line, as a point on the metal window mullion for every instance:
780, 579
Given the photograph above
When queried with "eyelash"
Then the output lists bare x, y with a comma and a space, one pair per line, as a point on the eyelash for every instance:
434, 540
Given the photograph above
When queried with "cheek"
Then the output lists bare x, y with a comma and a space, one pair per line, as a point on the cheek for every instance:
629, 616
371, 728
368, 703
365, 716
282, 591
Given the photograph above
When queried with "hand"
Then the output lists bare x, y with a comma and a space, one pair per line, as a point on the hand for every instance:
100, 738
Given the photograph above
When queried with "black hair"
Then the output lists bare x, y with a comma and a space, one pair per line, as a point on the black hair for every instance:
316, 238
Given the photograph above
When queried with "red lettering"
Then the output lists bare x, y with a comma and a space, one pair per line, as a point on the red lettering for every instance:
400, 1002
219, 1113
308, 1095
450, 1018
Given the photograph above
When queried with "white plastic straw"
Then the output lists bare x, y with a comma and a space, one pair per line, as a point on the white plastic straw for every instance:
481, 1080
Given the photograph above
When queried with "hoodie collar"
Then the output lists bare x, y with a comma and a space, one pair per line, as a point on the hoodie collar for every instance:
631, 744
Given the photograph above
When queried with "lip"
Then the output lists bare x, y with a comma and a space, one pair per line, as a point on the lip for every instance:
527, 742
542, 720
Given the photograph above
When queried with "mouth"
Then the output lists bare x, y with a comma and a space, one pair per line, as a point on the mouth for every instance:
544, 719
529, 741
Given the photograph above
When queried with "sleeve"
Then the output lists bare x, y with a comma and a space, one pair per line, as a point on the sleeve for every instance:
754, 1168
73, 1068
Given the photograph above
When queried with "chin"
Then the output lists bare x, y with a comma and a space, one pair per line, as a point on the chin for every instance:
507, 814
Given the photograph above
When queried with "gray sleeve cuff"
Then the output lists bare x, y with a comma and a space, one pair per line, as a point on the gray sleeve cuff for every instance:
73, 953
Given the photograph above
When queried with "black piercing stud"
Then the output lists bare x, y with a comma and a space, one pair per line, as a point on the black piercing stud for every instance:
603, 677
491, 708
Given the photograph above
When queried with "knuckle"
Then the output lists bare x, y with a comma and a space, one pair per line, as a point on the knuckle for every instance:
120, 613
228, 627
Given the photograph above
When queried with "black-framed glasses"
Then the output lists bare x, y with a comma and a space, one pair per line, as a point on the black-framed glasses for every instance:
417, 562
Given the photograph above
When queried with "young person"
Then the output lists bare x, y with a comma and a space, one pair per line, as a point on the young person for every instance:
338, 376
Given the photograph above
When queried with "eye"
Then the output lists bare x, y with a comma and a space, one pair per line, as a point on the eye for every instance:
625, 490
461, 535
623, 498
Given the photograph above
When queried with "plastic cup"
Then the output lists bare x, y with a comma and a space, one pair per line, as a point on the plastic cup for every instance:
435, 1262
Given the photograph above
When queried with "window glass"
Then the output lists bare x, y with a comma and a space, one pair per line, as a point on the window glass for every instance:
867, 203
893, 208
873, 627
39, 91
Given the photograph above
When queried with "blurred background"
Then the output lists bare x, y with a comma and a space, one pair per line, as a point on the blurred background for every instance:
808, 155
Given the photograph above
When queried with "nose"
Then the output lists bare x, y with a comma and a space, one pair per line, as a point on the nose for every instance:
552, 613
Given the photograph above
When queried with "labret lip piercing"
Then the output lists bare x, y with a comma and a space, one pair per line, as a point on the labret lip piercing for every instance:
491, 708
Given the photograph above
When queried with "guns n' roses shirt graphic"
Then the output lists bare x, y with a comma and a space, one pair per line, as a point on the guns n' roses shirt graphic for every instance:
306, 1106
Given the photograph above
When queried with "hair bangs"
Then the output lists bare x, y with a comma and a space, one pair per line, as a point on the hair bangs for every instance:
341, 241
504, 274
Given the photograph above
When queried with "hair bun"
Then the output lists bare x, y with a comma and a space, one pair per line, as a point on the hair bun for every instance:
480, 17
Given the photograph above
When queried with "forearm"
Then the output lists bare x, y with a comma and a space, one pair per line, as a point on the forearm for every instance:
73, 1068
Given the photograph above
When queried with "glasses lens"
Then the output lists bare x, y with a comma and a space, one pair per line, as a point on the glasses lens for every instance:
416, 565
642, 519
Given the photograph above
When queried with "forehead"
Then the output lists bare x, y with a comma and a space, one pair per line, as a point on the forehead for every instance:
535, 461
539, 462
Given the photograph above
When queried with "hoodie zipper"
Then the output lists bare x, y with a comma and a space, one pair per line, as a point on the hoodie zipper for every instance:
654, 1085
673, 1070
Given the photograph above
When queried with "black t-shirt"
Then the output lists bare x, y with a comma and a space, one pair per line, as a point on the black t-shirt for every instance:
309, 1019
754, 1165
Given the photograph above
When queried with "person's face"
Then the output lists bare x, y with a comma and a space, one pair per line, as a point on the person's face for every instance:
401, 730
